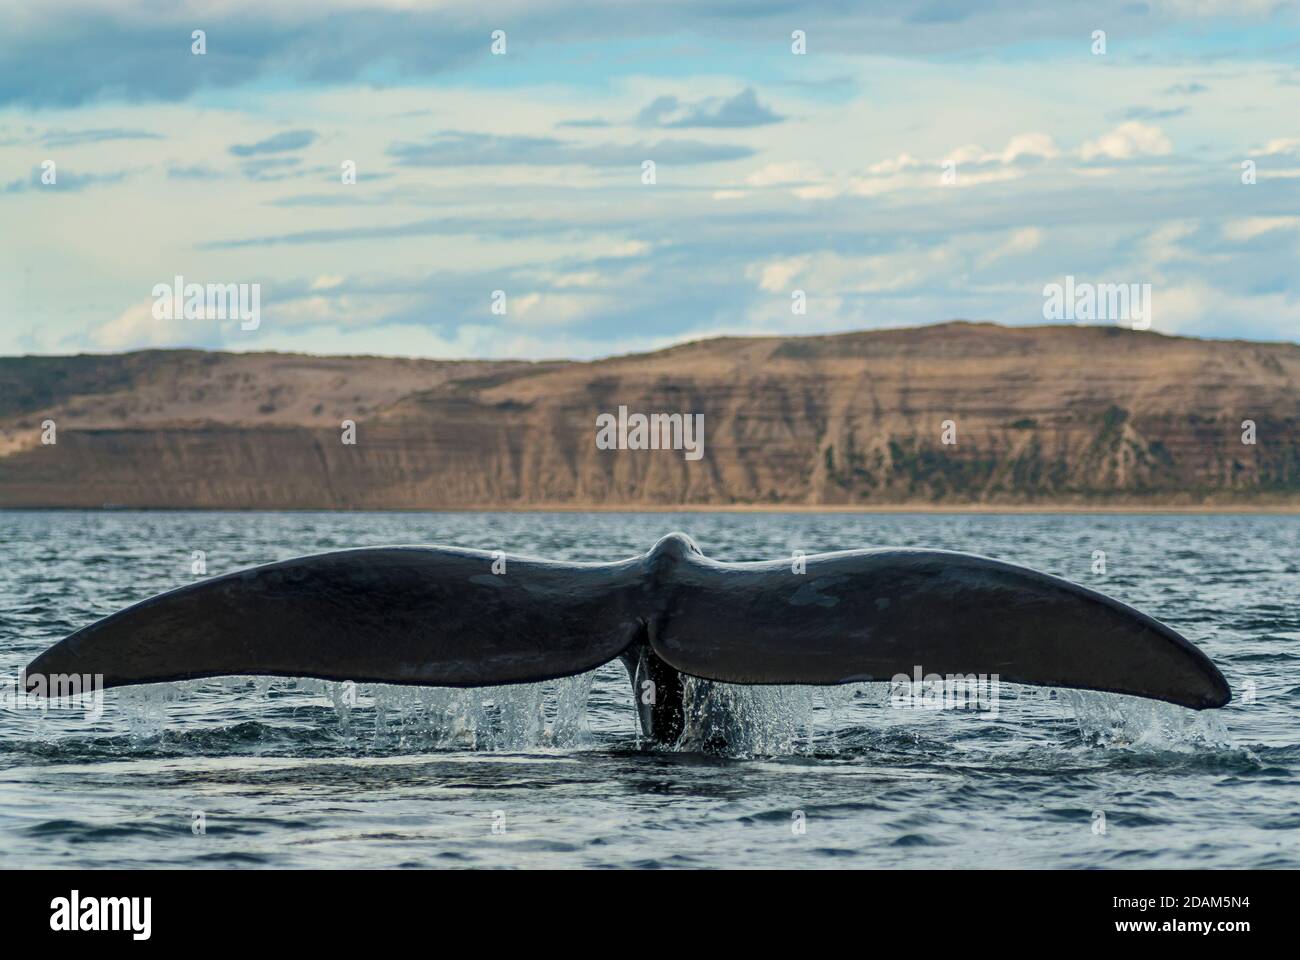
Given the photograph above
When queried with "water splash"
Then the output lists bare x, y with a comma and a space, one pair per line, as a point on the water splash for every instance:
552, 713
145, 707
518, 717
1115, 720
748, 721
721, 718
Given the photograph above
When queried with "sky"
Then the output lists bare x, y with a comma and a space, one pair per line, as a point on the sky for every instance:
918, 162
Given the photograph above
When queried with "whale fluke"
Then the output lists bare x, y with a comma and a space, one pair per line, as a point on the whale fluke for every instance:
436, 616
875, 614
445, 616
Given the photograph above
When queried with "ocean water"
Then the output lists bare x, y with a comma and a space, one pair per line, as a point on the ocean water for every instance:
284, 773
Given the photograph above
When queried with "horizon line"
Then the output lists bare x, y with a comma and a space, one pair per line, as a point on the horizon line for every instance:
870, 331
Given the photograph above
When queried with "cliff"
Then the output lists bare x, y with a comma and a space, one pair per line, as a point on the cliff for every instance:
1065, 415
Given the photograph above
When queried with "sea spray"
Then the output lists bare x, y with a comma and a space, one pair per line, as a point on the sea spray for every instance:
145, 706
519, 716
730, 719
552, 713
769, 720
1111, 720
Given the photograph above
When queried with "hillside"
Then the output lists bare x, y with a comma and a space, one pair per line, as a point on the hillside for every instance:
1072, 416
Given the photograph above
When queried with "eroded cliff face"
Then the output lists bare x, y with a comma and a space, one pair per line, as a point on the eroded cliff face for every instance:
1047, 415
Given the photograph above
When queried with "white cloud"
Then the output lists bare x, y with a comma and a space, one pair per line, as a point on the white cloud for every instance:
1251, 227
785, 173
1282, 146
136, 328
817, 191
1163, 247
1128, 140
1030, 145
583, 278
775, 277
628, 248
905, 171
1197, 308
971, 153
553, 228
1020, 241
904, 161
1036, 145
534, 309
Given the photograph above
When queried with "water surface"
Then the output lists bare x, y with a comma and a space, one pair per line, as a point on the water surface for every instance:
291, 774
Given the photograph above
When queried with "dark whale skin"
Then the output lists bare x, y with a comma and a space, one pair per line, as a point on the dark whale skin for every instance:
873, 614
440, 616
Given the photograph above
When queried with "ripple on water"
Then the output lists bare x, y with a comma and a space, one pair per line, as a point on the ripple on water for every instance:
299, 774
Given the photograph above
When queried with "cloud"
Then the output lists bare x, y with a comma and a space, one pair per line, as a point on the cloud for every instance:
136, 328
1281, 147
1034, 146
273, 168
904, 171
1153, 113
1199, 309
940, 11
193, 172
464, 149
64, 181
136, 50
73, 138
775, 277
1186, 89
742, 110
521, 172
1195, 9
1127, 141
890, 165
785, 173
139, 50
1022, 241
284, 142
1249, 228
498, 227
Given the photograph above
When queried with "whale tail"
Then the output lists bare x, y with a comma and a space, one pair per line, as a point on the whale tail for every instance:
443, 616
